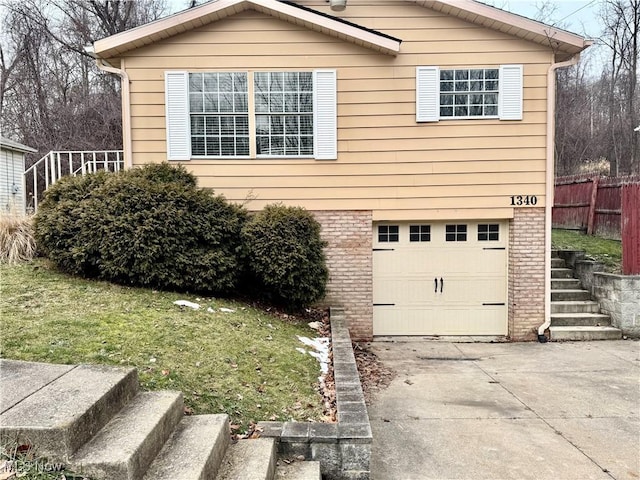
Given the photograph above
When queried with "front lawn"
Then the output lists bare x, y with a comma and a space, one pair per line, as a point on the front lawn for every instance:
241, 362
607, 252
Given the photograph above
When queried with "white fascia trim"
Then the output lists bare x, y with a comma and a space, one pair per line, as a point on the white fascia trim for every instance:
502, 16
135, 37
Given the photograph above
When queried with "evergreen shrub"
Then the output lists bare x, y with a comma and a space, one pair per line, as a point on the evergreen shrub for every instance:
284, 257
148, 227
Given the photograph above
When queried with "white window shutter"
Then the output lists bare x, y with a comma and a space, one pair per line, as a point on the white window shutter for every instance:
177, 113
325, 115
510, 96
427, 94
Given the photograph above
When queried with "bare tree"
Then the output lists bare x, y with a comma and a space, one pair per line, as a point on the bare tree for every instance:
51, 94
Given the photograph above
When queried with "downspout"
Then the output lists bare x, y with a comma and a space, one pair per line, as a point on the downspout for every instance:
550, 187
127, 146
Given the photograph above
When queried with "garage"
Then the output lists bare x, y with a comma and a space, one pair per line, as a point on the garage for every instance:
440, 278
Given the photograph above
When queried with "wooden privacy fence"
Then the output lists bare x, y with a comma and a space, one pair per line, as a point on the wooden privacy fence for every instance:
605, 206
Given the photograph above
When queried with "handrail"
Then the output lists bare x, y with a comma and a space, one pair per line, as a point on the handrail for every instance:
60, 163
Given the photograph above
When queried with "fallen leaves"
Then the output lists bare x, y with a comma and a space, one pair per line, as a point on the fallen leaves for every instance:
374, 376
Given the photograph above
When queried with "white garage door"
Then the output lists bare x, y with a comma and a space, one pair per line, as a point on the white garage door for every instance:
440, 278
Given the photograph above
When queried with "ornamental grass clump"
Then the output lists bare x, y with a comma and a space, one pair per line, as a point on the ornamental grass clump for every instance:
17, 242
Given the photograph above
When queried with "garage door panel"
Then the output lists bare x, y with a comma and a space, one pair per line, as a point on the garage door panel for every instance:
473, 270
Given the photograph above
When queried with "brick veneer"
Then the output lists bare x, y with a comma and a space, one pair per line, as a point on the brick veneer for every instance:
349, 258
526, 273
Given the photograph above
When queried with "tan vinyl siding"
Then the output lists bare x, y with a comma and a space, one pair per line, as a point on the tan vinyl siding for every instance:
386, 162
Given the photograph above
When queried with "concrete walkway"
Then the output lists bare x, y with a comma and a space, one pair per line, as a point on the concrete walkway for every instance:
555, 411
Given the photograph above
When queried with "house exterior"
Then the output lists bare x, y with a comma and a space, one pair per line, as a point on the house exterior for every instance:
419, 132
12, 188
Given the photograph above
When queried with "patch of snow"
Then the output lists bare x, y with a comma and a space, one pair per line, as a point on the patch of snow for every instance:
226, 310
321, 347
301, 350
210, 310
187, 303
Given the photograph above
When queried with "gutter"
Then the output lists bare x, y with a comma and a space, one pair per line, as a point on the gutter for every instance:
550, 187
127, 145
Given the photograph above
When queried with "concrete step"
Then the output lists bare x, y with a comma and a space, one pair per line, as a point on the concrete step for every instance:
91, 396
126, 446
298, 471
561, 334
561, 273
194, 451
249, 460
557, 262
580, 320
571, 294
580, 306
565, 284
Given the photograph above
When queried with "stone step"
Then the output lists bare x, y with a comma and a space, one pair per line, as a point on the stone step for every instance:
565, 284
561, 273
580, 319
249, 460
557, 262
126, 446
298, 471
581, 306
194, 451
570, 295
560, 334
91, 396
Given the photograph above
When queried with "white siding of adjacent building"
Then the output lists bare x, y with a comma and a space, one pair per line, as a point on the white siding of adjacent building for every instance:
11, 182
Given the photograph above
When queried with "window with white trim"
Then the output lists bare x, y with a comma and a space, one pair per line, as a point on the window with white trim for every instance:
469, 93
251, 114
219, 113
284, 113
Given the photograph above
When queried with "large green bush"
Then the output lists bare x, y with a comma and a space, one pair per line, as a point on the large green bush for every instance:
284, 256
149, 227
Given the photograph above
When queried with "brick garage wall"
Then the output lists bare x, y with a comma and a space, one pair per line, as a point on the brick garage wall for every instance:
526, 273
349, 258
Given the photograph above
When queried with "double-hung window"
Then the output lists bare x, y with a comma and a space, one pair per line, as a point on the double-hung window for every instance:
469, 93
251, 114
284, 113
219, 113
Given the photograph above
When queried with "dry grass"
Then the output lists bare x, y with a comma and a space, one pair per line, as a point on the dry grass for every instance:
17, 243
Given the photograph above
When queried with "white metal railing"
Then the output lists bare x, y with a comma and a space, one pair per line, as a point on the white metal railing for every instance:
57, 164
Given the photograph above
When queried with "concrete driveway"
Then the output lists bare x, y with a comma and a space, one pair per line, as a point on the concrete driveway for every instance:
556, 411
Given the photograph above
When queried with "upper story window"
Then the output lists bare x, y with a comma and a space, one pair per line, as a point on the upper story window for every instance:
219, 113
469, 93
284, 113
251, 114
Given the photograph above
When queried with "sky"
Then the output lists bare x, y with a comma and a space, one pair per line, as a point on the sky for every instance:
578, 16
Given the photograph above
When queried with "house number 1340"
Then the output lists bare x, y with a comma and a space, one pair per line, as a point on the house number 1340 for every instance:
520, 200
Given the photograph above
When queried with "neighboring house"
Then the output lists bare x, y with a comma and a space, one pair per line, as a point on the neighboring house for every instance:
12, 188
420, 133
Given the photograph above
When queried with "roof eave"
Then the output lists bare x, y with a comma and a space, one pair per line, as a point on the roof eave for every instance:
566, 43
120, 43
9, 144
